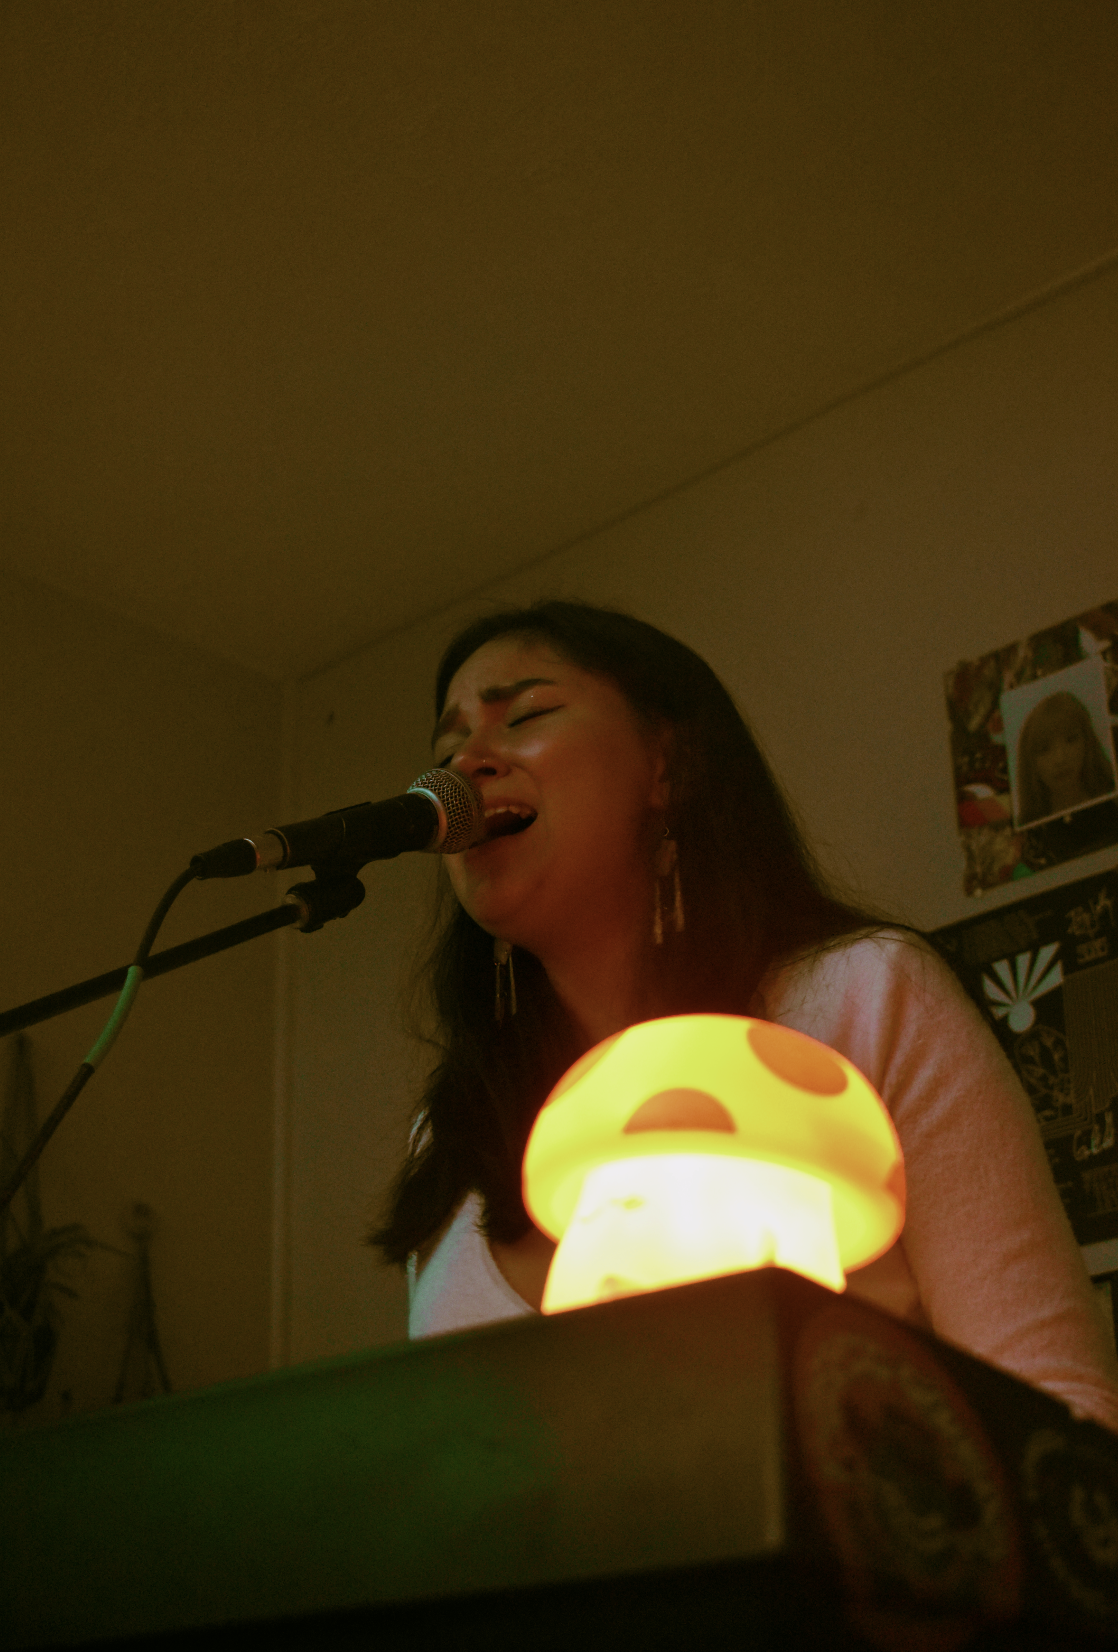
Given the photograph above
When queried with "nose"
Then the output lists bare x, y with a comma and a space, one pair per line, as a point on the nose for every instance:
479, 758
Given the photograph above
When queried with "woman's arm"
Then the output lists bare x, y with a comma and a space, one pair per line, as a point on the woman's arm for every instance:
986, 1241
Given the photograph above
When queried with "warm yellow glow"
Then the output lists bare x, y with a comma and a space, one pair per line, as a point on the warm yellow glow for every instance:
707, 1144
644, 1223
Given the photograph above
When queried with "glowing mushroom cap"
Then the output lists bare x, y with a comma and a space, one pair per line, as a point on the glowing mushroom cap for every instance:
724, 1085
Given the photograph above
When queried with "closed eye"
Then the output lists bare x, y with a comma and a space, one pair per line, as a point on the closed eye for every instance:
525, 717
542, 711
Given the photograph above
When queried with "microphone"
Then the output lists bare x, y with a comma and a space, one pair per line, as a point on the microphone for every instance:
439, 814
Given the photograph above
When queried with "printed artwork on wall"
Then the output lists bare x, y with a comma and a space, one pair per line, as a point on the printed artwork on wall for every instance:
1044, 972
1033, 749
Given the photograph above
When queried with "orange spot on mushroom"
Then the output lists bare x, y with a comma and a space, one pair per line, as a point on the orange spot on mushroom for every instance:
680, 1110
796, 1059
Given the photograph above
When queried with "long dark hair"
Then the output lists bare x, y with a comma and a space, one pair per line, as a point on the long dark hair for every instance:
752, 891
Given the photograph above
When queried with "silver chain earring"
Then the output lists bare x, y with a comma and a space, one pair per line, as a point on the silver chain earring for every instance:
502, 956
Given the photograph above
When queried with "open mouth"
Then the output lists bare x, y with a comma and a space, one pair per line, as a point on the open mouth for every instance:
507, 821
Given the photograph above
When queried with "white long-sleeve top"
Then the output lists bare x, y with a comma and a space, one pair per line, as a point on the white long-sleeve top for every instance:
987, 1259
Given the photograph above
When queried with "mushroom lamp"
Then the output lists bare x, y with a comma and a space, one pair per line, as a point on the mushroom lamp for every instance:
708, 1144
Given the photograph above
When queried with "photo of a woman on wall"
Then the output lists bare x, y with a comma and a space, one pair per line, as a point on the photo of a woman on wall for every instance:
1061, 763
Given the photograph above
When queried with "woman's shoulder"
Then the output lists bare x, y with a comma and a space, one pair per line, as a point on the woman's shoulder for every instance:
878, 954
865, 988
892, 1006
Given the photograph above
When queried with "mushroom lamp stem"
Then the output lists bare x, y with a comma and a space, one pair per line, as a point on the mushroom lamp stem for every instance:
702, 1145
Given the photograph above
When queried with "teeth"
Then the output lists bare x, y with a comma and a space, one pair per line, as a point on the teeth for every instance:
510, 809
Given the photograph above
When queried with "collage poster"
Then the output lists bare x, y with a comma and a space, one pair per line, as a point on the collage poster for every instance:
1044, 972
1033, 749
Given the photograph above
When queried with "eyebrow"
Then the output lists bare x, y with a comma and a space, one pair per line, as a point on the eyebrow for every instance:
491, 696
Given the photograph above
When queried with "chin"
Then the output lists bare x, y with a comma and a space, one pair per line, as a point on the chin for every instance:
491, 909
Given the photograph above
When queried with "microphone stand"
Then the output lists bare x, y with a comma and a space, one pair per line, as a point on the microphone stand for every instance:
334, 893
100, 986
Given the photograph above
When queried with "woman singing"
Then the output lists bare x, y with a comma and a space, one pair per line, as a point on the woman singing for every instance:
641, 861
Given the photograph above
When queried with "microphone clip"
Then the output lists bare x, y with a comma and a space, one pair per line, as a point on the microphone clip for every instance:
331, 895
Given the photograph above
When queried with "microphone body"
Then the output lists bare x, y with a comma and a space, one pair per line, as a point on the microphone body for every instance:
439, 814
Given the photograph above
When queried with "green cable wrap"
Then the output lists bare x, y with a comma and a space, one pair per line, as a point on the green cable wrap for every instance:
117, 1019
100, 1050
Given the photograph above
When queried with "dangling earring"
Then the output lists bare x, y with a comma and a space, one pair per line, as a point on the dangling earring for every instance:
667, 866
502, 955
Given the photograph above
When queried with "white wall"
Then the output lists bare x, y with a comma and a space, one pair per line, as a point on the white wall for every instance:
124, 752
830, 578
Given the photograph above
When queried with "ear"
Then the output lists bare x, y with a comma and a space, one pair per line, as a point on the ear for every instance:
660, 793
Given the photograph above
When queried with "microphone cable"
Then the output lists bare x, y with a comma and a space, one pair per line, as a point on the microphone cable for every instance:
109, 1034
352, 836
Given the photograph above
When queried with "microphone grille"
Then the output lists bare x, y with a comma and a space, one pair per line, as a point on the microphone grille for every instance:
465, 818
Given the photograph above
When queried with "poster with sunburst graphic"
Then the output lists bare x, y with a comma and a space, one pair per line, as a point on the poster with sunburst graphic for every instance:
1033, 749
1044, 973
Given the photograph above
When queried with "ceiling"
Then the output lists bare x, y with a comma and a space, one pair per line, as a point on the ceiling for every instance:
319, 314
